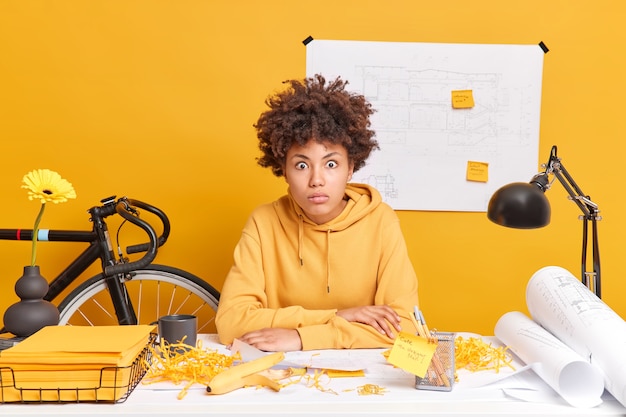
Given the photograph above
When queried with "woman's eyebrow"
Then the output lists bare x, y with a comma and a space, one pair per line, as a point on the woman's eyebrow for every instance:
299, 155
329, 155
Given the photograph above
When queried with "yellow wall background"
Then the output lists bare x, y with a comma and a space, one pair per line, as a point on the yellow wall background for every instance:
155, 100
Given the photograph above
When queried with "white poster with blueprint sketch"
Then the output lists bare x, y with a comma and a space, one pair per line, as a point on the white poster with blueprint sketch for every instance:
434, 154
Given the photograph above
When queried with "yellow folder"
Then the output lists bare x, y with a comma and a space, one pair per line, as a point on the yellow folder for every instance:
72, 363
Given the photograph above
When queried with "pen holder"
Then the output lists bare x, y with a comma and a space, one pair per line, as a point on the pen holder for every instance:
440, 374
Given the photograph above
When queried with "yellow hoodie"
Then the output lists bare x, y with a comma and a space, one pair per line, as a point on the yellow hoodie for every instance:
289, 272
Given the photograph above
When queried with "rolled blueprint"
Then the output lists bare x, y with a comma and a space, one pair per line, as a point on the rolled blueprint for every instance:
574, 379
561, 304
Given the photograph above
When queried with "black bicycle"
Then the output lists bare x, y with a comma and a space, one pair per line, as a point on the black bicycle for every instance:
125, 292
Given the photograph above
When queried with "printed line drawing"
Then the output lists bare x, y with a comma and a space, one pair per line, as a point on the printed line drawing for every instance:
425, 143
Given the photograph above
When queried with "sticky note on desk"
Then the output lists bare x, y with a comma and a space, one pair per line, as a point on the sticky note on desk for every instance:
412, 353
333, 373
462, 99
477, 171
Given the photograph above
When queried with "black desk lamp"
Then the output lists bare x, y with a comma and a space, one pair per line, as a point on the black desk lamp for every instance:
524, 206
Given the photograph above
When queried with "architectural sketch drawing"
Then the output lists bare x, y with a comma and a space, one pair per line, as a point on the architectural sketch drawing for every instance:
425, 143
383, 183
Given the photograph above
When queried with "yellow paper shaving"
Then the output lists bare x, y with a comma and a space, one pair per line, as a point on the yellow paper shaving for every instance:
474, 354
371, 389
311, 381
178, 362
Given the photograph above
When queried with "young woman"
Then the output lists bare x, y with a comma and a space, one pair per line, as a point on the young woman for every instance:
325, 266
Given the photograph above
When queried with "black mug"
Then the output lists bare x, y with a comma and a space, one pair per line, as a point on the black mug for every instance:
178, 328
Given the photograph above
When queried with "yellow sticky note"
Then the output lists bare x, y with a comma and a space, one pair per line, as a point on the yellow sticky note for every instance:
462, 99
477, 171
334, 373
412, 353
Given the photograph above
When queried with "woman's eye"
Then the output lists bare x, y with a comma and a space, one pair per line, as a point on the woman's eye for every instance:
301, 165
331, 164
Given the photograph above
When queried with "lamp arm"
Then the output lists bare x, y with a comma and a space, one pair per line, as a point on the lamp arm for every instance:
596, 259
590, 214
584, 203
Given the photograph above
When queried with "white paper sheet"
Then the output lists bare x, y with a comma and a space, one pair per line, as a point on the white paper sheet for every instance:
422, 136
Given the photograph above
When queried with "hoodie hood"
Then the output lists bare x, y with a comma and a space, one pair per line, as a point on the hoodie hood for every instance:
362, 199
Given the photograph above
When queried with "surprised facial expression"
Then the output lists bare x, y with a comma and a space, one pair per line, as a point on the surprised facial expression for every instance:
317, 174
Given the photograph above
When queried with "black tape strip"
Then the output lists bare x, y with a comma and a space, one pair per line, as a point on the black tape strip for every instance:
543, 47
307, 40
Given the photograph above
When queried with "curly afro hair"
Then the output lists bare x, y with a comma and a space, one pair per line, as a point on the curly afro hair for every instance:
313, 109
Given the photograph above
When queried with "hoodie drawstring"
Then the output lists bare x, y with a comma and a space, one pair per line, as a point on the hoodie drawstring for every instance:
300, 237
328, 261
300, 242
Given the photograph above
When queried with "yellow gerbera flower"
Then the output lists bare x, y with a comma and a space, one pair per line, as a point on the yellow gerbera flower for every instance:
47, 186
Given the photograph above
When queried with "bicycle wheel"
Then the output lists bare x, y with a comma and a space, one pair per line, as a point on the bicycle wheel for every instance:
155, 291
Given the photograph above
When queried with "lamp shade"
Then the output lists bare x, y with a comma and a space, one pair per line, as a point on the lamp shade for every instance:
519, 205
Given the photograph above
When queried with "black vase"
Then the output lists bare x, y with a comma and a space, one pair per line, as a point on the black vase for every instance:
33, 312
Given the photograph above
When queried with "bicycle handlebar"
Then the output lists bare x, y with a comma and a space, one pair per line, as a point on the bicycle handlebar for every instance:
126, 208
143, 247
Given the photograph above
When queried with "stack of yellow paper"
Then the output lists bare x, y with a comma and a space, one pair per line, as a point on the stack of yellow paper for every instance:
72, 363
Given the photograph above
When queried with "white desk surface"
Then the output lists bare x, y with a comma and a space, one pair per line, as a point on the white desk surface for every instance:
401, 399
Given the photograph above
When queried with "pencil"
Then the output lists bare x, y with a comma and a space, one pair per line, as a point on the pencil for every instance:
436, 361
424, 325
420, 330
415, 317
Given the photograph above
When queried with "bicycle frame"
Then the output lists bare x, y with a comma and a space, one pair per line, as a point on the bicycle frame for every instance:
100, 247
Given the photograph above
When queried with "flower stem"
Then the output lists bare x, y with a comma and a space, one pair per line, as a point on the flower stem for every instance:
35, 233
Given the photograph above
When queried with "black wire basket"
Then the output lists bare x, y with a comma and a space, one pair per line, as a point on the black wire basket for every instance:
110, 384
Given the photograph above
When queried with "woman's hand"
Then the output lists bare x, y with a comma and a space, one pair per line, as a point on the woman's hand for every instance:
381, 318
274, 339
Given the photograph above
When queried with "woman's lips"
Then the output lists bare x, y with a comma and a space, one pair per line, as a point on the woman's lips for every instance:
318, 198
